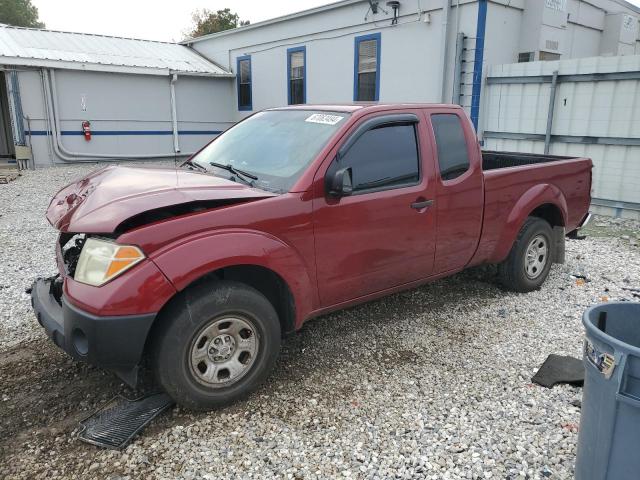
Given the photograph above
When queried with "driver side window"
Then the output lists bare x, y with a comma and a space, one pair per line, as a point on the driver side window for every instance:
384, 157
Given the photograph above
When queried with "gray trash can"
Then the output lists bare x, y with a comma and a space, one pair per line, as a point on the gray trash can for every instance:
609, 437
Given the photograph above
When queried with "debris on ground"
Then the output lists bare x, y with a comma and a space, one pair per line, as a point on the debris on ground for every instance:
558, 369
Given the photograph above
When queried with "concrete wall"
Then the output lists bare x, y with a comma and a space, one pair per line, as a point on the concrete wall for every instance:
129, 114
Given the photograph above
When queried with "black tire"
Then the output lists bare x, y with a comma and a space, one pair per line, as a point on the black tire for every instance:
513, 273
197, 311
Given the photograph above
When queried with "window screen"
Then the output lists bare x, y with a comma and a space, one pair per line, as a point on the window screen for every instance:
367, 65
244, 84
525, 57
383, 156
296, 77
453, 156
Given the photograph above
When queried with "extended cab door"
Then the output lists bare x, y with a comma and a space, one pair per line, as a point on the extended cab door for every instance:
383, 234
459, 187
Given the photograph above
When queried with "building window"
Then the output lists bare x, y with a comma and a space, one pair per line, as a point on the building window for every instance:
243, 78
297, 75
453, 156
526, 57
366, 82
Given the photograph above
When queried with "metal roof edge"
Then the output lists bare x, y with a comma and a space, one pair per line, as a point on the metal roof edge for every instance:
95, 67
264, 23
15, 27
628, 5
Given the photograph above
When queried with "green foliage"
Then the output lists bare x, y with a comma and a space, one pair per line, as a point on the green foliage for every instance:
20, 13
205, 22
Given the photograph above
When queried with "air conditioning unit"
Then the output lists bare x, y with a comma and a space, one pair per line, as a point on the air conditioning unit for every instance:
546, 25
619, 34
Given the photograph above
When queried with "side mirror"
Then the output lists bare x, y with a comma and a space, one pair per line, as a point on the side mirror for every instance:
340, 184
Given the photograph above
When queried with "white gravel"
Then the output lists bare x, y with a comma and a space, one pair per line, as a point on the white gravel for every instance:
431, 383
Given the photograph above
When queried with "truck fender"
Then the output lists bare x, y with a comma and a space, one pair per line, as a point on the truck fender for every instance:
191, 258
533, 198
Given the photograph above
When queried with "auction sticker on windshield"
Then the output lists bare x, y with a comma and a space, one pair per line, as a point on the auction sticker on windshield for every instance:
324, 118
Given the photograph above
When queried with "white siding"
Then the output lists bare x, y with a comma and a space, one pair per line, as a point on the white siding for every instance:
121, 106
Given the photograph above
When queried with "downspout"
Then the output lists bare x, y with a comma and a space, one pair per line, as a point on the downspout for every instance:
552, 103
52, 133
69, 156
457, 17
174, 114
444, 41
45, 99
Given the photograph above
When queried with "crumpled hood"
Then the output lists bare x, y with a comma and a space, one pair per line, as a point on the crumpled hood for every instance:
104, 199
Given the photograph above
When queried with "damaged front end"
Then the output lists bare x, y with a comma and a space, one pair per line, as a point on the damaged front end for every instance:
113, 342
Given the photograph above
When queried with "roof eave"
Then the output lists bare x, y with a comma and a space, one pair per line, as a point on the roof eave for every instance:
97, 67
264, 23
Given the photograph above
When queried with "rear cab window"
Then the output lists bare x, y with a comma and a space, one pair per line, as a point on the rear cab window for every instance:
453, 153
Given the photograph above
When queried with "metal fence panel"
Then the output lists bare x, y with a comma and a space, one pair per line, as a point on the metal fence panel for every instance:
596, 113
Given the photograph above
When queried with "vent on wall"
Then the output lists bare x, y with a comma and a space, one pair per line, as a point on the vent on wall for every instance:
548, 56
552, 44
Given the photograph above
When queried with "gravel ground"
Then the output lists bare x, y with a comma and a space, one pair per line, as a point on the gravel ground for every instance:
430, 383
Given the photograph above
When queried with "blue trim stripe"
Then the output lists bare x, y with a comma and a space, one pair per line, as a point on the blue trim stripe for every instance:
250, 105
125, 132
356, 52
304, 72
477, 62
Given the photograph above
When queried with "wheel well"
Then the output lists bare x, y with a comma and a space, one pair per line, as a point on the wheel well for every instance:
267, 282
550, 213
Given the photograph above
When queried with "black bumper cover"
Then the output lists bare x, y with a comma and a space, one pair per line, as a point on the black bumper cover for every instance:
114, 343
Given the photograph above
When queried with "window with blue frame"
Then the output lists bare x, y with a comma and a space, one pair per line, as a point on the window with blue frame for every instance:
297, 75
243, 79
366, 81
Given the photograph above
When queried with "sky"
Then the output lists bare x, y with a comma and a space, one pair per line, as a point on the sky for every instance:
156, 19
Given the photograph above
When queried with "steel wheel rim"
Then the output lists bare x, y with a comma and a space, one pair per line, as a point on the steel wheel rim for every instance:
223, 351
536, 257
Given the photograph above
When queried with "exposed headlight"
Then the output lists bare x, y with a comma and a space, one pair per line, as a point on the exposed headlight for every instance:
101, 261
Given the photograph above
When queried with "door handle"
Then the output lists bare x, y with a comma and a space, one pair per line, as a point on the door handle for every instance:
421, 204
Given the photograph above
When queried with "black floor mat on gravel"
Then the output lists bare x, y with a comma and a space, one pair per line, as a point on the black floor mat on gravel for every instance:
558, 369
117, 422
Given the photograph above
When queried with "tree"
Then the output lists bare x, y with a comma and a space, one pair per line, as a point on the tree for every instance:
205, 22
20, 13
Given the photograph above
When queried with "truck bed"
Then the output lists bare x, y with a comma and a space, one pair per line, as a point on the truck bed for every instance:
492, 160
513, 178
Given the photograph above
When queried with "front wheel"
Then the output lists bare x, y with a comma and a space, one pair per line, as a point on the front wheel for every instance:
529, 261
216, 344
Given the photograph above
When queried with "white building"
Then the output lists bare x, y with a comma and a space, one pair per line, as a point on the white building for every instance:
409, 51
143, 99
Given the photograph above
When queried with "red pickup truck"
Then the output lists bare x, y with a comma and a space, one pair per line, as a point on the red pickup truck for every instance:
291, 213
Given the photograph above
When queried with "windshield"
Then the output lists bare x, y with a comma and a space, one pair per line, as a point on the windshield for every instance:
273, 147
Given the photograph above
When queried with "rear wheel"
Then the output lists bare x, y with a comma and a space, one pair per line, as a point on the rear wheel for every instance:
216, 345
529, 261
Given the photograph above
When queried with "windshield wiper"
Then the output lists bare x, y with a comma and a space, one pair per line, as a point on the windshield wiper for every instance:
195, 166
238, 173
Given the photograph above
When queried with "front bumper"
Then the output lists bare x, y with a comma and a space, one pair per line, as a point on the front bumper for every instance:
112, 342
